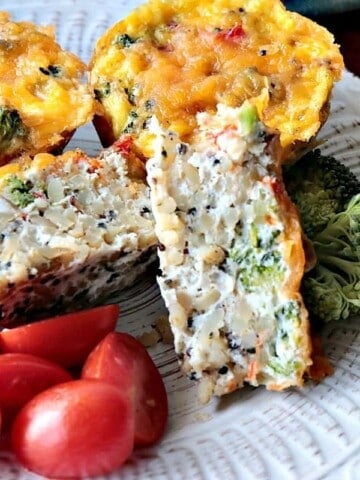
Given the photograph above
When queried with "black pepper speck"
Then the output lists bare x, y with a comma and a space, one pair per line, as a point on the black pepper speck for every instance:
191, 211
144, 210
223, 370
111, 215
181, 148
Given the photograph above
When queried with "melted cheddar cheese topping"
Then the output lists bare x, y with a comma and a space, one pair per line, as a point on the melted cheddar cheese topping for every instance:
42, 96
175, 59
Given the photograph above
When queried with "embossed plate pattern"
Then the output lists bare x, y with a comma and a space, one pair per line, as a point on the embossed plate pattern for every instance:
251, 434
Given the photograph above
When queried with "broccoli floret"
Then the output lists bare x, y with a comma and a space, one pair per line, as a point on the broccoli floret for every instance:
11, 127
331, 290
320, 186
257, 268
258, 259
19, 192
327, 195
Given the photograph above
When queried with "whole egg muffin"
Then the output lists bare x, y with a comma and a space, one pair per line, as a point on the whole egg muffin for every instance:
174, 59
44, 95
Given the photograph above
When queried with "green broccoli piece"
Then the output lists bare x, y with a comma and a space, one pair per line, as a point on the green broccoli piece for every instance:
19, 192
331, 290
258, 259
256, 268
285, 370
327, 195
248, 118
320, 186
11, 127
124, 40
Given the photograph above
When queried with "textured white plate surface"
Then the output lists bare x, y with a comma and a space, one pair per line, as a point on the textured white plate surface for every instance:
252, 434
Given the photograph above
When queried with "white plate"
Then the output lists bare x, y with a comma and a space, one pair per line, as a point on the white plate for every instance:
251, 434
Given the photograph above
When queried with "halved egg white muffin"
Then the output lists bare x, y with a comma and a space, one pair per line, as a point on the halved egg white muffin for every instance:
174, 59
231, 254
74, 230
44, 95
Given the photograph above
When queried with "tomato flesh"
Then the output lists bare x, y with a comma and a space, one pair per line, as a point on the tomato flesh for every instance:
76, 429
123, 361
66, 339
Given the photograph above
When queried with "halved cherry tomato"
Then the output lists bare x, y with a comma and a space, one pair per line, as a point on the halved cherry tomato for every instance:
123, 361
76, 429
66, 339
4, 436
22, 376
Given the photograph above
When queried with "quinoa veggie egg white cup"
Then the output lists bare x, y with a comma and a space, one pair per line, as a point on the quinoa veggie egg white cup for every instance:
44, 96
173, 59
74, 230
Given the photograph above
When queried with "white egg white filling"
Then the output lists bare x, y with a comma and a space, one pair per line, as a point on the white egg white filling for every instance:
222, 255
72, 235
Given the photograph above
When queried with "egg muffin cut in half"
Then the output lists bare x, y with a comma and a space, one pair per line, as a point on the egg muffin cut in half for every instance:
44, 95
74, 230
231, 254
176, 58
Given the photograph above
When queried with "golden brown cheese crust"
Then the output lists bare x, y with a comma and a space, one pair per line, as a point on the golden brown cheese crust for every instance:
43, 95
174, 59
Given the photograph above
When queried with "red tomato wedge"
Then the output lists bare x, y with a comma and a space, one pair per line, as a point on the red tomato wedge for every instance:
76, 429
66, 339
123, 361
23, 376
